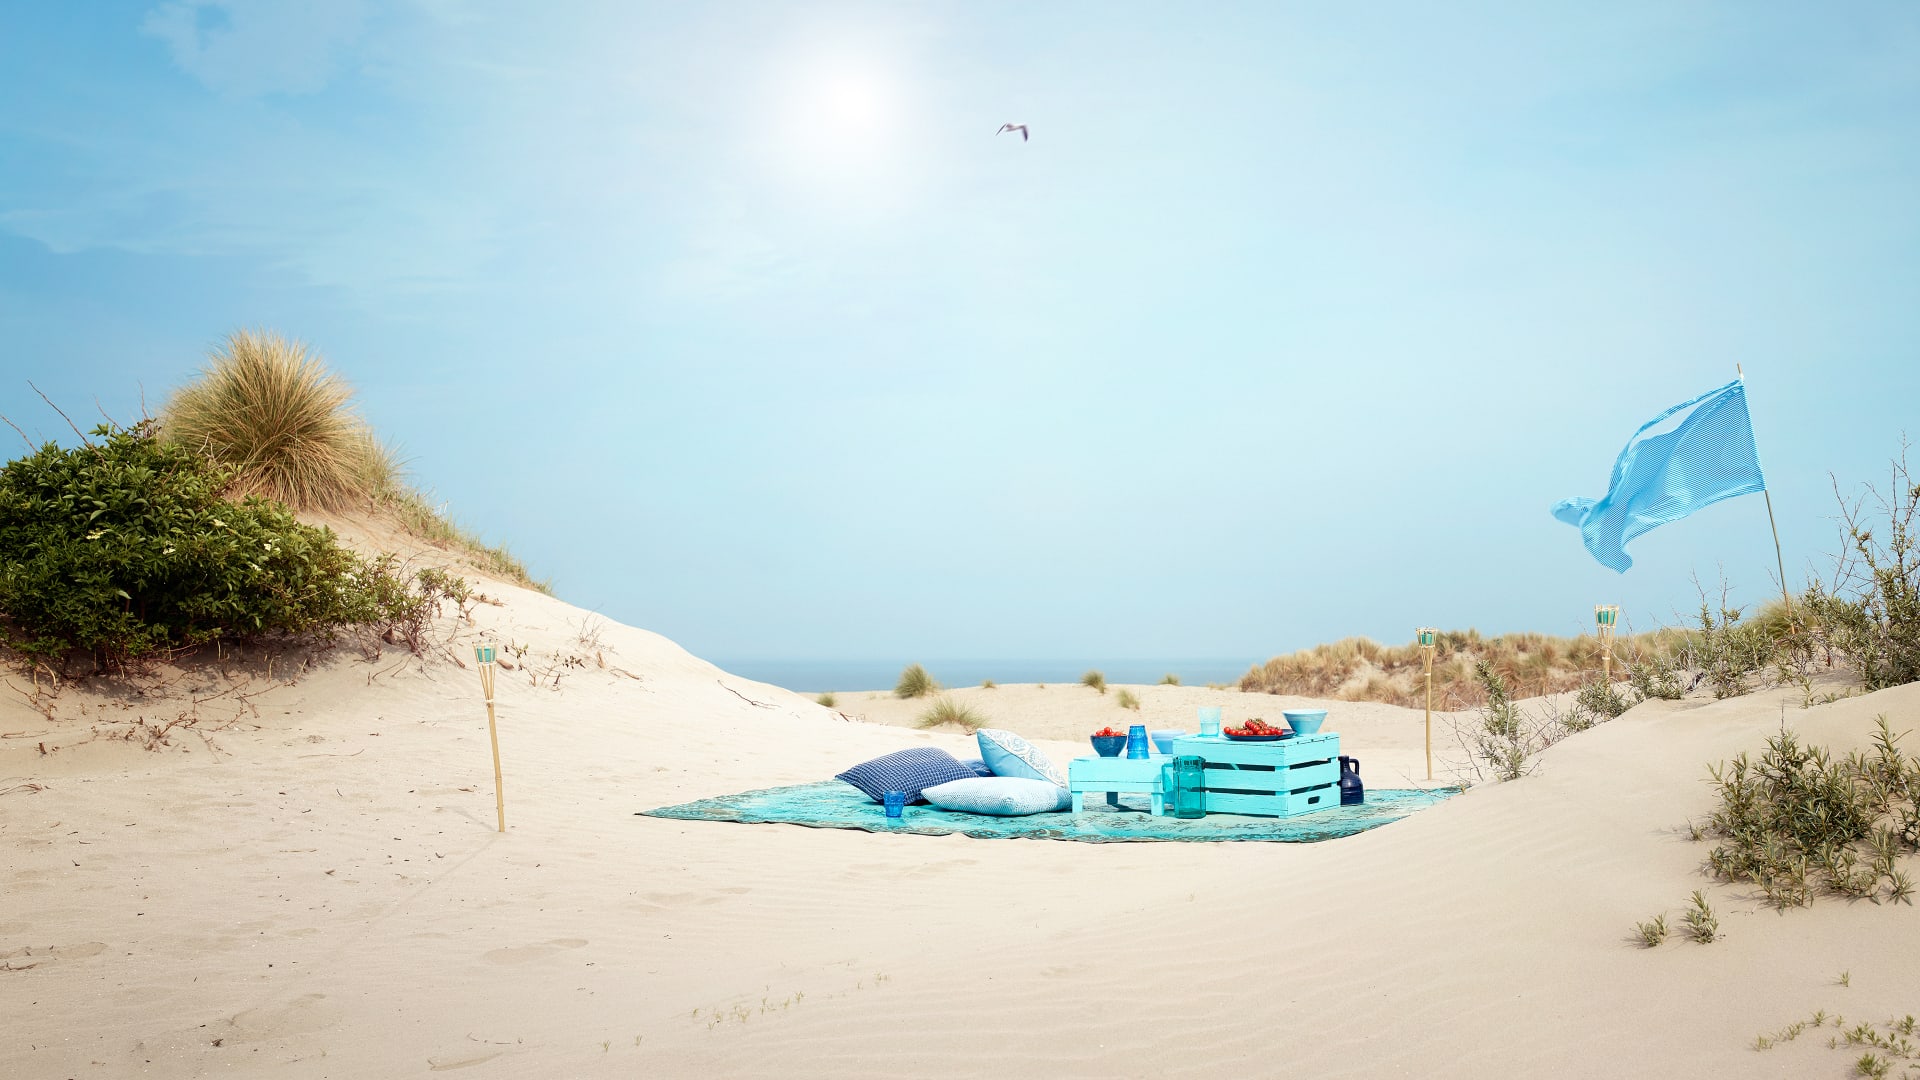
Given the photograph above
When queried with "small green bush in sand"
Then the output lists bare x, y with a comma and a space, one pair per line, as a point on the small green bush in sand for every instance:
1095, 680
825, 700
1126, 700
988, 684
945, 710
125, 548
1653, 931
1701, 922
914, 683
1169, 679
1798, 818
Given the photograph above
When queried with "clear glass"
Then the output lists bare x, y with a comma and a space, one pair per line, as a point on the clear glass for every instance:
1209, 720
896, 803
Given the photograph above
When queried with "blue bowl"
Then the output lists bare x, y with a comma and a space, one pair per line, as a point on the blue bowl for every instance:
1108, 745
1305, 721
1163, 740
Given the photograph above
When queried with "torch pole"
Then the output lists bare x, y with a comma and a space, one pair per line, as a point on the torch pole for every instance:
484, 654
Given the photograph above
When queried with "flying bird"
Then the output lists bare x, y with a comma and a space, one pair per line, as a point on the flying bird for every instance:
1021, 128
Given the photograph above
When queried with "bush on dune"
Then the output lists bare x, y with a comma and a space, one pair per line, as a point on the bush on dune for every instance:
125, 548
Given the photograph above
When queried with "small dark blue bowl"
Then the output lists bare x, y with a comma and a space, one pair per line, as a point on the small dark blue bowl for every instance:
1109, 745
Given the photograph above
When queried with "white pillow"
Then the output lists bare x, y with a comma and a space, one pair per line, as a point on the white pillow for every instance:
1001, 796
1008, 754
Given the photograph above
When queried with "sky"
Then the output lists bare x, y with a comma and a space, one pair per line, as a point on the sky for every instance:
740, 323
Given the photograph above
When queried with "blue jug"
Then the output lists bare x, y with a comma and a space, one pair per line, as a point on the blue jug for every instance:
1352, 791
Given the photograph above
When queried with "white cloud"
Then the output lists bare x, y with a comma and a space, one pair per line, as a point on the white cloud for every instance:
250, 48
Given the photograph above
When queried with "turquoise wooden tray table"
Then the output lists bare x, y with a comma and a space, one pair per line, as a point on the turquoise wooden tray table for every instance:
1277, 779
1117, 774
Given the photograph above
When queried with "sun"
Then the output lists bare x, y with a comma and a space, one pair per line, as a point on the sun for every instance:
848, 106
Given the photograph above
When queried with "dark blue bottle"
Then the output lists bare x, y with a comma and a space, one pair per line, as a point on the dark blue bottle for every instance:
1352, 791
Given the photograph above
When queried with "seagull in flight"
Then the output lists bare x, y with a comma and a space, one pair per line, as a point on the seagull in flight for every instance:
1021, 128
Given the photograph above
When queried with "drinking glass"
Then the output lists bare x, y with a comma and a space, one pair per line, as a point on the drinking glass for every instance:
1209, 719
896, 803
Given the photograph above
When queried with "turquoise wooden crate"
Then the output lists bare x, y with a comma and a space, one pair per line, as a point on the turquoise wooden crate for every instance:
1276, 779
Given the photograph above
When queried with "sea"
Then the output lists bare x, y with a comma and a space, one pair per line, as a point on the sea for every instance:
822, 676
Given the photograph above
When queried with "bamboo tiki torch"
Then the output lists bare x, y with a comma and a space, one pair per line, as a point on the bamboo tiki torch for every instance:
1604, 618
1426, 638
485, 655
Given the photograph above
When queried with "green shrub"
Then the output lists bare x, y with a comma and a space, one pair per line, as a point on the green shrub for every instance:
1169, 679
914, 683
124, 547
1126, 700
1797, 817
825, 700
945, 710
1095, 680
988, 684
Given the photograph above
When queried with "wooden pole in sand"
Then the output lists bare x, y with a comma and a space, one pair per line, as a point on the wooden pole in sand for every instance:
1426, 639
484, 654
1778, 559
1604, 618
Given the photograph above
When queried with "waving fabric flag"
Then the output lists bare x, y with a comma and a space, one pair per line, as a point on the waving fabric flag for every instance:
1690, 456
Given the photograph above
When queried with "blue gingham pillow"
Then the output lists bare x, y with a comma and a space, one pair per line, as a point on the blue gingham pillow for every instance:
912, 770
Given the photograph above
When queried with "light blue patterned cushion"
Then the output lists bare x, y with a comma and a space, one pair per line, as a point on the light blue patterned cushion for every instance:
1001, 796
909, 770
1008, 754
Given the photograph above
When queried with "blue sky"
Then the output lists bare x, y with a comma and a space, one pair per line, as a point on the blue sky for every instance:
738, 320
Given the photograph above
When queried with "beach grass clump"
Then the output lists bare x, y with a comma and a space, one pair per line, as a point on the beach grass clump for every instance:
1126, 700
946, 711
988, 684
1701, 922
125, 547
1798, 819
914, 683
268, 409
1094, 680
825, 700
1653, 931
1169, 679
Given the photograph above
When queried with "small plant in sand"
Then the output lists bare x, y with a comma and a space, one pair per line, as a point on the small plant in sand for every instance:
914, 683
1169, 679
1797, 818
1653, 931
1126, 700
988, 684
1095, 680
826, 700
1701, 922
945, 710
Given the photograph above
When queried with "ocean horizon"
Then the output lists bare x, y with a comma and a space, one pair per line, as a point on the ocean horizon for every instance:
822, 676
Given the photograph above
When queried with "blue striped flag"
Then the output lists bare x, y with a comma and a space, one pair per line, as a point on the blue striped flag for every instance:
1670, 468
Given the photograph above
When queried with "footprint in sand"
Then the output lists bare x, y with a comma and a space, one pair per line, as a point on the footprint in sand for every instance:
33, 956
520, 954
303, 1015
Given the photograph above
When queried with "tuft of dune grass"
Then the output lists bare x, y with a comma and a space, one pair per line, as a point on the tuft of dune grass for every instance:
914, 683
945, 710
1095, 680
268, 408
1126, 700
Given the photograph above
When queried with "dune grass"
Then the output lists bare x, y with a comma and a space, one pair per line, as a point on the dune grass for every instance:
825, 700
268, 408
945, 710
1095, 680
914, 683
1126, 700
1169, 679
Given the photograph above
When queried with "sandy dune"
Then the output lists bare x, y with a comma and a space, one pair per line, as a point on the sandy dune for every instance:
306, 882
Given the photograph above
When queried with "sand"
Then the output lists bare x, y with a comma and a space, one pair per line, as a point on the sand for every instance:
303, 879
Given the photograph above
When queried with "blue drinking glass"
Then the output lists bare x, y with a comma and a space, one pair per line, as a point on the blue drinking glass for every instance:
896, 803
1138, 745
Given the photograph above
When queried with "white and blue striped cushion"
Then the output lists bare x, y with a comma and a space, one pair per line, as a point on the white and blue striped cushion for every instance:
912, 770
1008, 754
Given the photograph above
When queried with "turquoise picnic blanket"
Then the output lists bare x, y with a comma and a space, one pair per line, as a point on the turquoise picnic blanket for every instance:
832, 804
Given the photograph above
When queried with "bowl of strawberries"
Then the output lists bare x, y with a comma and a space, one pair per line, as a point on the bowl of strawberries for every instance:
1108, 742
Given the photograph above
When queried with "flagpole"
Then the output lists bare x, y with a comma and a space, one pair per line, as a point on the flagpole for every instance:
1778, 559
